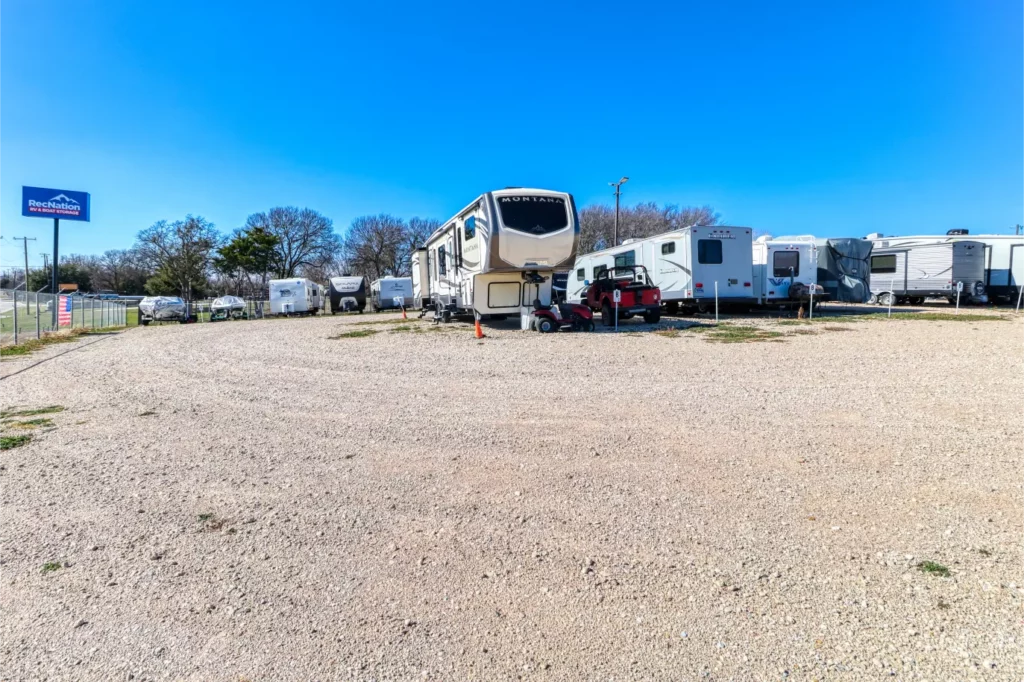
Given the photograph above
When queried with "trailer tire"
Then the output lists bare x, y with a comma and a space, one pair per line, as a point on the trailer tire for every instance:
672, 307
144, 323
916, 300
607, 316
886, 299
652, 317
873, 299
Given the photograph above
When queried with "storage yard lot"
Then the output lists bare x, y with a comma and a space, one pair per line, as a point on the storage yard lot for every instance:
260, 501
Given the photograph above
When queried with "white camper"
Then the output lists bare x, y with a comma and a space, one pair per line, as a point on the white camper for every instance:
1004, 262
497, 255
294, 296
685, 264
910, 269
786, 271
391, 293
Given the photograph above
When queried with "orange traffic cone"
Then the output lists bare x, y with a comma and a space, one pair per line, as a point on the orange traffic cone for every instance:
403, 313
477, 330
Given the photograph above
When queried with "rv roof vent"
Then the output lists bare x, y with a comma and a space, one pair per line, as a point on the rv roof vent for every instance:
960, 232
875, 235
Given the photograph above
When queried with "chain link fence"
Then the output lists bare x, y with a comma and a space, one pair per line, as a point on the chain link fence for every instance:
27, 315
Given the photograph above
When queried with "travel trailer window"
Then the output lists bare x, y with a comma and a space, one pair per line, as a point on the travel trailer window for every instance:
470, 228
709, 251
440, 260
598, 269
883, 264
624, 259
667, 248
783, 261
581, 274
536, 215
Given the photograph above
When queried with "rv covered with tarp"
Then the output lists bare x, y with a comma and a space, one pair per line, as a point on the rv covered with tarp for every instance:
844, 270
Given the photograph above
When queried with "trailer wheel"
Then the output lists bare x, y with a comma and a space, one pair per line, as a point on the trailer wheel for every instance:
144, 323
886, 299
607, 316
917, 300
652, 317
672, 307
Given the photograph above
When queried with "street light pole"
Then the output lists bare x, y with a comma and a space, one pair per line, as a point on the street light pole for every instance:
617, 186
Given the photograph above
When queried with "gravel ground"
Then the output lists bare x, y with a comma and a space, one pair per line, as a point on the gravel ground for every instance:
258, 501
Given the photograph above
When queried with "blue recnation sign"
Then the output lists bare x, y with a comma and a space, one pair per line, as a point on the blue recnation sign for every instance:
40, 202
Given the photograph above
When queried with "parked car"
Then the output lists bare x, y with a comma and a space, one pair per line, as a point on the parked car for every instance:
638, 295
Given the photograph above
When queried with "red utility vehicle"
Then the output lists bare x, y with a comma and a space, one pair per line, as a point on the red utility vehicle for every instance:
638, 295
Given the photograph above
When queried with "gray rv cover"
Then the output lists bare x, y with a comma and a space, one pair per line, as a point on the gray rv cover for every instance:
844, 269
163, 307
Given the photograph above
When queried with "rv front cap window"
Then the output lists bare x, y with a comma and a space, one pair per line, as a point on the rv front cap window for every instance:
470, 228
581, 274
883, 264
440, 260
667, 248
783, 261
533, 214
709, 251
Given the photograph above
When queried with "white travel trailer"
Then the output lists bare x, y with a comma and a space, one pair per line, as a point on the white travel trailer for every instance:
786, 271
685, 264
911, 269
295, 296
384, 292
497, 255
1004, 262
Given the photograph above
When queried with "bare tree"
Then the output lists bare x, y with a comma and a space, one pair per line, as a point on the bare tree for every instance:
374, 245
597, 222
416, 234
306, 238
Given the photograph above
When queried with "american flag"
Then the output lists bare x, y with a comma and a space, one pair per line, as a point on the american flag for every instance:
64, 311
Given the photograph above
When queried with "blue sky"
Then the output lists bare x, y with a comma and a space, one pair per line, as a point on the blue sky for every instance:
824, 118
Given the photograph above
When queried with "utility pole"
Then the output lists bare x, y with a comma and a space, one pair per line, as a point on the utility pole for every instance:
25, 241
46, 261
617, 185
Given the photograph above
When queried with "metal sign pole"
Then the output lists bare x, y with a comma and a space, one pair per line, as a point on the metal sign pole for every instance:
53, 277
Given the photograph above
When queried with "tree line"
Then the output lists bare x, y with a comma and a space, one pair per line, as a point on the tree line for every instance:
190, 258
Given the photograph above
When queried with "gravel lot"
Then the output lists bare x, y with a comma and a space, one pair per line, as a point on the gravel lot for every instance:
258, 501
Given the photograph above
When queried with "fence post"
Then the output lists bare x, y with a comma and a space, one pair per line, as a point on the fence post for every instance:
37, 314
15, 317
716, 301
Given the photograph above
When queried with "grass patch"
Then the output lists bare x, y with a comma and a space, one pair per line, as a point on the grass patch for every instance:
668, 333
31, 412
933, 568
358, 333
806, 332
51, 566
742, 334
792, 323
836, 328
29, 424
9, 442
388, 321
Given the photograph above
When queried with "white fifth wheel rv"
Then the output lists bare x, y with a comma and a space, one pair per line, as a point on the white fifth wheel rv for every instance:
496, 256
420, 279
786, 271
294, 296
911, 269
385, 291
685, 264
1004, 262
